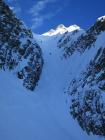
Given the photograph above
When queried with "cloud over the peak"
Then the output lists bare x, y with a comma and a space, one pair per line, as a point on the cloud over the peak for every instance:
38, 12
40, 6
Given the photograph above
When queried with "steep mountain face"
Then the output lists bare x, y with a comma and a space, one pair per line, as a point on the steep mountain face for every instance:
19, 52
67, 42
87, 86
74, 63
85, 53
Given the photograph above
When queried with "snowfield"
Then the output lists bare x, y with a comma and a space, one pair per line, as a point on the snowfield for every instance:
44, 113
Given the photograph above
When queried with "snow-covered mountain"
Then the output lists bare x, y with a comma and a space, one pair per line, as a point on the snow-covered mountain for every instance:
71, 87
61, 29
19, 52
85, 55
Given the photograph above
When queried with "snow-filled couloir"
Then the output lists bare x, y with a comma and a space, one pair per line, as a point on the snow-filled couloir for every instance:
65, 68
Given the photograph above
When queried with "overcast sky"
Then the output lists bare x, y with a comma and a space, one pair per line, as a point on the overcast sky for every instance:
42, 15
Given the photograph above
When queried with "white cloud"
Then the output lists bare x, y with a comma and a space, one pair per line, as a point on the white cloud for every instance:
38, 17
37, 22
40, 6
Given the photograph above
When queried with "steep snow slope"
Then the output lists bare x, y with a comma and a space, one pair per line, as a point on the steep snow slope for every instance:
44, 113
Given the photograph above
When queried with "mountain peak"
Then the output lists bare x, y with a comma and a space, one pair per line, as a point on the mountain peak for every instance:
61, 29
102, 18
73, 27
61, 26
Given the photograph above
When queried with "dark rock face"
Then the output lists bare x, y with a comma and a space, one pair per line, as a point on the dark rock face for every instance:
68, 42
87, 91
18, 50
80, 40
88, 88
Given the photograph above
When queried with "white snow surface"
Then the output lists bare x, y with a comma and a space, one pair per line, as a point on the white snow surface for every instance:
44, 113
102, 18
61, 29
